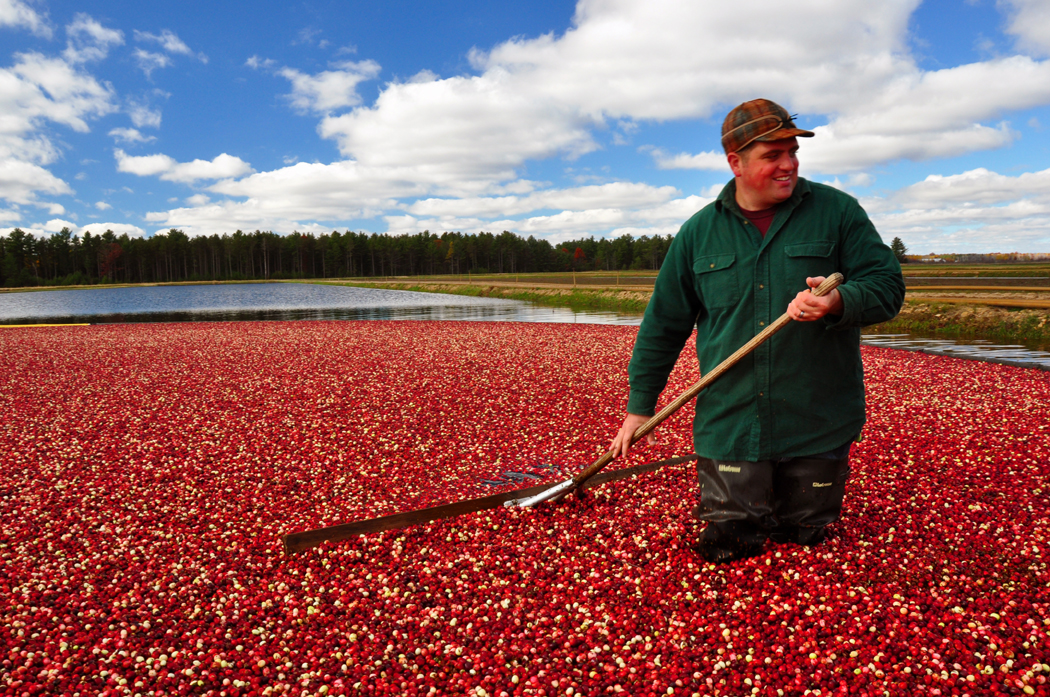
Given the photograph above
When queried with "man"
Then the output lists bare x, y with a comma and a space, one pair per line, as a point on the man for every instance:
774, 433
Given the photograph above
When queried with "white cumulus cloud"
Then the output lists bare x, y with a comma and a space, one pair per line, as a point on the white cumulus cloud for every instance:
314, 191
257, 62
168, 168
651, 218
57, 224
14, 13
117, 228
975, 187
463, 133
142, 115
227, 216
38, 89
88, 40
148, 61
714, 160
22, 182
1029, 20
329, 90
976, 211
617, 195
168, 40
130, 135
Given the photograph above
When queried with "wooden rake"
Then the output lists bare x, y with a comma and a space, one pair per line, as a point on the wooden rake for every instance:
300, 541
560, 490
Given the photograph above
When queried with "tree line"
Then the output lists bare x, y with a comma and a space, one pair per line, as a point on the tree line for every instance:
988, 258
65, 258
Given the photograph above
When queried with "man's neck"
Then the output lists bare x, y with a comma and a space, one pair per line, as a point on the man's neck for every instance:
762, 220
750, 202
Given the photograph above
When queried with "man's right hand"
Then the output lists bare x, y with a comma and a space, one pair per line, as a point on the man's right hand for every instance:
622, 442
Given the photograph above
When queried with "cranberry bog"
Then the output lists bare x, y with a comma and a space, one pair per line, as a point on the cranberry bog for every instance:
147, 473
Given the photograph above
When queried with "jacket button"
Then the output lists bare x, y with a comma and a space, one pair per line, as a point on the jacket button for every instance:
712, 266
761, 324
760, 286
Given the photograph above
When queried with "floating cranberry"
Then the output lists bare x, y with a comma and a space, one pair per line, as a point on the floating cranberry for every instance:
147, 472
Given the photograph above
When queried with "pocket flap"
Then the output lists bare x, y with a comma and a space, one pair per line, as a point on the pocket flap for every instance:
713, 263
810, 249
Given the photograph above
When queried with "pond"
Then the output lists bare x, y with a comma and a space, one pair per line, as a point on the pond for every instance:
273, 301
296, 301
975, 349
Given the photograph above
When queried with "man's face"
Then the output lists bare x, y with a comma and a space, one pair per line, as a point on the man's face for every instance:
766, 174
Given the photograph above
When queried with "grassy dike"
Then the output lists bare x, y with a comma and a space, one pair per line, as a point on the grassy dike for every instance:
628, 302
1027, 327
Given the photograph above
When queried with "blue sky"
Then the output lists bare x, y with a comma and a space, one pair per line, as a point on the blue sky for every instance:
553, 119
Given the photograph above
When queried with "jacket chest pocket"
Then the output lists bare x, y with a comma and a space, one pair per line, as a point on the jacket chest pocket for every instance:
807, 260
716, 281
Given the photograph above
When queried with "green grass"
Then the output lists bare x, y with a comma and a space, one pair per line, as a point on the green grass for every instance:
582, 301
576, 299
1027, 328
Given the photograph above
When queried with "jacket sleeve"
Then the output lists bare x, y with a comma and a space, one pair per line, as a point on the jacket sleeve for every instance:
668, 322
873, 291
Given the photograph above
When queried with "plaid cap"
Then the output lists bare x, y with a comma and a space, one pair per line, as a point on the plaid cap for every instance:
759, 119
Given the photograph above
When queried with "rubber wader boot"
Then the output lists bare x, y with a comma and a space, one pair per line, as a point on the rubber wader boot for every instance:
736, 502
809, 493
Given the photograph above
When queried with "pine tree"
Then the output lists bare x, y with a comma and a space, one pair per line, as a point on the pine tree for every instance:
899, 250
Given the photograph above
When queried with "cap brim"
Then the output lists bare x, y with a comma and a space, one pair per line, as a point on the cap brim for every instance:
785, 133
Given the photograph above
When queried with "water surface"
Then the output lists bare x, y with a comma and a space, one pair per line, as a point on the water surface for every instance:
273, 301
975, 349
297, 301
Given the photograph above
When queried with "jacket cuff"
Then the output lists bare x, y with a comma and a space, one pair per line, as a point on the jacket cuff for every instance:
850, 316
642, 403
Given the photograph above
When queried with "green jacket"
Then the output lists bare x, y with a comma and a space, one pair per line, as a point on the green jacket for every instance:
801, 392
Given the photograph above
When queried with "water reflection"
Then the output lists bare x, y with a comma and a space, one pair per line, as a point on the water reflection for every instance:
453, 313
274, 301
977, 349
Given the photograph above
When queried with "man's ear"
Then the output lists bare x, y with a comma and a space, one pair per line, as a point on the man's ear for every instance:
735, 163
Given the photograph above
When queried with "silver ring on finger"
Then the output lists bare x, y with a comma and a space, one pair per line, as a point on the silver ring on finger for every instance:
801, 313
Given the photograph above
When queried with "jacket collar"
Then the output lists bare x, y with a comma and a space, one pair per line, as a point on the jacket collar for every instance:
726, 200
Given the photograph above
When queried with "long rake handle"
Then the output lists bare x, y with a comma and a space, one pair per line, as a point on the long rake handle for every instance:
830, 283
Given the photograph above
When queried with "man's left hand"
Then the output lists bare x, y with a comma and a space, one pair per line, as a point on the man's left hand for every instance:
807, 307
